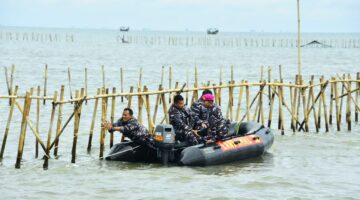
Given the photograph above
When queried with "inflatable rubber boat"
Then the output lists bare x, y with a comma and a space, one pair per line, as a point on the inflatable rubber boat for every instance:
244, 140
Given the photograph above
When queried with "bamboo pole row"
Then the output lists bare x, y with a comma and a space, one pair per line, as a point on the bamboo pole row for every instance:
306, 100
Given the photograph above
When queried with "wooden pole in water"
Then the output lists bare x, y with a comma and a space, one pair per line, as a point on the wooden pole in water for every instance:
122, 83
93, 121
331, 102
37, 121
130, 97
103, 75
103, 119
165, 107
158, 98
348, 106
69, 81
271, 106
239, 102
140, 107
342, 93
247, 102
324, 104
7, 83
312, 98
170, 80
86, 84
77, 113
112, 116
293, 108
281, 120
338, 115
304, 107
27, 104
140, 78
59, 120
151, 126
14, 93
45, 82
298, 42
46, 158
269, 88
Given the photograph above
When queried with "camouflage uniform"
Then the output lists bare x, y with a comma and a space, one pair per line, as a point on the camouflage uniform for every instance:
182, 121
200, 113
217, 123
133, 130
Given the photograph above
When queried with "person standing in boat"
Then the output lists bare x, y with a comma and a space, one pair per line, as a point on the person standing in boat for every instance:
200, 112
130, 127
181, 118
217, 123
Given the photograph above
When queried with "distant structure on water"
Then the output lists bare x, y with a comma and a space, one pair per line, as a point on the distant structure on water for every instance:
123, 28
212, 31
316, 43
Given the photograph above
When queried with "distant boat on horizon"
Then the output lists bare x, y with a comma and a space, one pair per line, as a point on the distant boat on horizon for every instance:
123, 28
212, 31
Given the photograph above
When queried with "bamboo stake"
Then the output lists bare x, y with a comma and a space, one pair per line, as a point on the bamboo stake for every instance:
271, 106
103, 119
37, 121
93, 122
77, 113
165, 109
8, 124
12, 77
293, 108
27, 104
348, 107
112, 116
148, 112
130, 97
170, 80
158, 98
312, 98
304, 107
140, 78
140, 106
337, 107
7, 83
342, 93
86, 84
281, 120
292, 124
239, 102
261, 111
331, 102
45, 82
247, 102
69, 81
325, 109
269, 88
162, 75
103, 75
59, 120
46, 158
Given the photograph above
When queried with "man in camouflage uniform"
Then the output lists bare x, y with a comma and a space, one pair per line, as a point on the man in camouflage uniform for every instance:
181, 118
217, 123
130, 127
200, 112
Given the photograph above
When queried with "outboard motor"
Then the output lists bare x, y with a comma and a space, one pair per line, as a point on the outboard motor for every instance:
164, 138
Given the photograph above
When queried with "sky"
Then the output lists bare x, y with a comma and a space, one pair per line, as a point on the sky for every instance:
179, 15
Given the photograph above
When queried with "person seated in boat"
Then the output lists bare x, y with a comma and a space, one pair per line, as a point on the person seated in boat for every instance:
200, 112
181, 118
217, 123
130, 127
